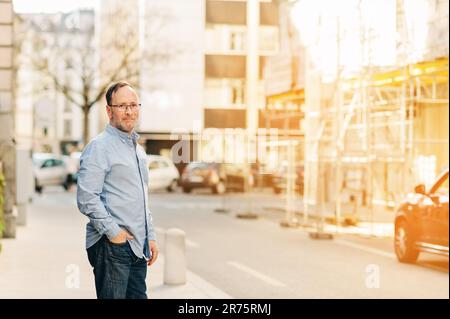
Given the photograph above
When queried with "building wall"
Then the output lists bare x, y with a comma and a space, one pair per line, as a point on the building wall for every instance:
43, 112
172, 90
6, 71
432, 130
226, 58
7, 146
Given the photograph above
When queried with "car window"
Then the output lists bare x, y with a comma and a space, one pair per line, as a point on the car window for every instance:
58, 163
48, 163
163, 164
197, 165
153, 165
443, 187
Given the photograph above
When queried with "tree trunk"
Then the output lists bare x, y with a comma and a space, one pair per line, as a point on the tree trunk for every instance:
85, 125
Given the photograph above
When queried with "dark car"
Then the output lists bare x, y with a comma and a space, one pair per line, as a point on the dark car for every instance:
279, 179
219, 177
421, 223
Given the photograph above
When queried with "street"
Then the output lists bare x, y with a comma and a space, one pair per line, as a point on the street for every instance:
256, 258
318, 129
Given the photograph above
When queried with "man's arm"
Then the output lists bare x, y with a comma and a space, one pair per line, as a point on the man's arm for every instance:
91, 176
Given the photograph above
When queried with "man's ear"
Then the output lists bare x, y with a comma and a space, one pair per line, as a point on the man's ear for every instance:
109, 111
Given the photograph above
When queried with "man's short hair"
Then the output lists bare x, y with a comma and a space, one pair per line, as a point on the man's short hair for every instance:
114, 88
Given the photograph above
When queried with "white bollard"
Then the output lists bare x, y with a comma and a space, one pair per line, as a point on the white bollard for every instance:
175, 257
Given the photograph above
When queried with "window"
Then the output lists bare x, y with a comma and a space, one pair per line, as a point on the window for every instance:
48, 163
67, 106
153, 165
58, 163
442, 187
67, 128
163, 164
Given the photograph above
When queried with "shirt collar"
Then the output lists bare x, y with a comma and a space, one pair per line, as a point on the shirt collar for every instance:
123, 135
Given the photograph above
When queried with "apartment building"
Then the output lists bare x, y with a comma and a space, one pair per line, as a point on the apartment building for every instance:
192, 68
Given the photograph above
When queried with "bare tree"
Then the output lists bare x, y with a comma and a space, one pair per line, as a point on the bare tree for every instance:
81, 62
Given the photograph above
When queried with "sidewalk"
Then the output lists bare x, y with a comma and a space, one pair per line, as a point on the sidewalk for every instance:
379, 223
48, 260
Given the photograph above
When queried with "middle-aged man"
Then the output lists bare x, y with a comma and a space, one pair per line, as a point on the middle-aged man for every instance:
112, 193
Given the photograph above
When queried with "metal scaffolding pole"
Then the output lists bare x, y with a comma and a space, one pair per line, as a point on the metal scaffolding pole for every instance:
252, 83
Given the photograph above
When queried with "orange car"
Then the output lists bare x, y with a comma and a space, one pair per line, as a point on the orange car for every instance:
421, 223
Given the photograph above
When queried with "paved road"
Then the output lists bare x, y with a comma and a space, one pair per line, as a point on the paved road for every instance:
260, 259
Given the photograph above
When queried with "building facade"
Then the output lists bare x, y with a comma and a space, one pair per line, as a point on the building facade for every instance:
7, 136
375, 96
193, 67
49, 119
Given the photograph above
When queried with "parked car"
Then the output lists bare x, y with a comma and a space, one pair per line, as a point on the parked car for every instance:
219, 177
421, 222
162, 173
279, 178
50, 169
72, 162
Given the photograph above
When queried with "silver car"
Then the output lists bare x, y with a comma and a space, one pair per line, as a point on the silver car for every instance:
162, 173
50, 169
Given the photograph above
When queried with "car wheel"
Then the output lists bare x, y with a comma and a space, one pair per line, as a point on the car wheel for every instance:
186, 190
37, 187
219, 188
67, 183
173, 186
404, 243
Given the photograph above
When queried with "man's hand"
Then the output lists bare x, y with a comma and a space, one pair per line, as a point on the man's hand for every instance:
121, 238
154, 250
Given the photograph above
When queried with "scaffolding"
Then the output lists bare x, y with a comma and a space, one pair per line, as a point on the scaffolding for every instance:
362, 133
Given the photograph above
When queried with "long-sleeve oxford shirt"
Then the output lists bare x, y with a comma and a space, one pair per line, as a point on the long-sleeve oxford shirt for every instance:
112, 189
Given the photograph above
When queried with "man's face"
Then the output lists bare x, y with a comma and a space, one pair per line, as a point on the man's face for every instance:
125, 118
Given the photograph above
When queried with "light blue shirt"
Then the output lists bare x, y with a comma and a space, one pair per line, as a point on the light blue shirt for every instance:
112, 189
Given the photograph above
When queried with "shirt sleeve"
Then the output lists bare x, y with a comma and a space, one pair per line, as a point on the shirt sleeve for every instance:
91, 177
151, 235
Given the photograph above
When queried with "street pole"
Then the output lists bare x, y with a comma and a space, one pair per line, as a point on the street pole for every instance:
223, 209
252, 83
291, 176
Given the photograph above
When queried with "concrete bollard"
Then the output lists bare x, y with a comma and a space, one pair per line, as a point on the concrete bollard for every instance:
175, 257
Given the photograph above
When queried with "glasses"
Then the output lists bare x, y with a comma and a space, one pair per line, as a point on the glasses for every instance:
123, 107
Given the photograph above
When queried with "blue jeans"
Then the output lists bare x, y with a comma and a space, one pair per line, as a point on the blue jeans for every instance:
118, 273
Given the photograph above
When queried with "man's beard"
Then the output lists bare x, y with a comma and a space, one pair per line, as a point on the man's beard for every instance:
122, 126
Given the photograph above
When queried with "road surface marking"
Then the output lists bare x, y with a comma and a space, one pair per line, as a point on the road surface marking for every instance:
364, 248
256, 274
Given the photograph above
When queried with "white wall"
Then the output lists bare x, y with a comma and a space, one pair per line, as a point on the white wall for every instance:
172, 94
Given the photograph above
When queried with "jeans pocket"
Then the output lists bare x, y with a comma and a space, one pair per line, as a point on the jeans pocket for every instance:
120, 251
118, 244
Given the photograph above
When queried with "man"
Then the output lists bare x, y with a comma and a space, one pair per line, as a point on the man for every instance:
112, 193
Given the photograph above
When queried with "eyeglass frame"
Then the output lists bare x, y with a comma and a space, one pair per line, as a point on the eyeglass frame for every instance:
124, 107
